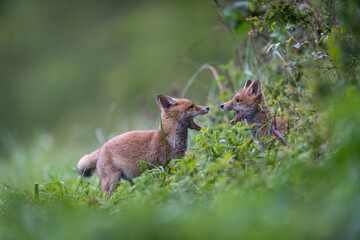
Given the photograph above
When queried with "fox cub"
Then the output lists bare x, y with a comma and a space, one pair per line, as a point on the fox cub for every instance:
120, 157
250, 105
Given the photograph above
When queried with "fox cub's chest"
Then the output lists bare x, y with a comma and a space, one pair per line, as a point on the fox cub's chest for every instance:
180, 141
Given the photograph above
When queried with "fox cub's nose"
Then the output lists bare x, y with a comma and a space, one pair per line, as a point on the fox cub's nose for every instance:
207, 108
222, 106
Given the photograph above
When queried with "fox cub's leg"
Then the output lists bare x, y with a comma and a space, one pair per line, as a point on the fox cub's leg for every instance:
109, 177
112, 181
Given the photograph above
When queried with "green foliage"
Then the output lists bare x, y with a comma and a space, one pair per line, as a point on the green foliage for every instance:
284, 12
307, 39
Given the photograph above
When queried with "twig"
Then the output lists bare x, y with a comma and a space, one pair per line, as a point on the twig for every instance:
216, 76
193, 77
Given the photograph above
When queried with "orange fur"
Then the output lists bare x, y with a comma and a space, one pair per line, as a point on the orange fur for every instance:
120, 157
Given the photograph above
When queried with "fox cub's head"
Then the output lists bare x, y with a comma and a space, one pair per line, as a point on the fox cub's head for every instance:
245, 102
183, 110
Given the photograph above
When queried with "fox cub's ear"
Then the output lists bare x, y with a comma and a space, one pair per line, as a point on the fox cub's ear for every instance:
254, 89
165, 102
247, 84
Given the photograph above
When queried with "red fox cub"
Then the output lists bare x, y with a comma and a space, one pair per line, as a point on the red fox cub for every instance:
123, 156
250, 105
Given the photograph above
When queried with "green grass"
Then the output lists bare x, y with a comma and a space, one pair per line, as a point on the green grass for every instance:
224, 188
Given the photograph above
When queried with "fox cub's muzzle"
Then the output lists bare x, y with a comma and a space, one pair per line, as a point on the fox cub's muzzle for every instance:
200, 110
227, 106
205, 110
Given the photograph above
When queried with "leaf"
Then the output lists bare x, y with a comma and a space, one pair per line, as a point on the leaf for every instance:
289, 40
298, 45
272, 47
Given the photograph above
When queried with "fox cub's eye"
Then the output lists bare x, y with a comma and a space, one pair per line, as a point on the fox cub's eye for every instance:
191, 107
238, 100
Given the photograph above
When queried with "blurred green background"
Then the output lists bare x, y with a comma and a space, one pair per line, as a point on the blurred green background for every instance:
74, 73
65, 64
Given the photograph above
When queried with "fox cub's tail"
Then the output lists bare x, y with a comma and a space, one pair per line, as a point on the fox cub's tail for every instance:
87, 163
